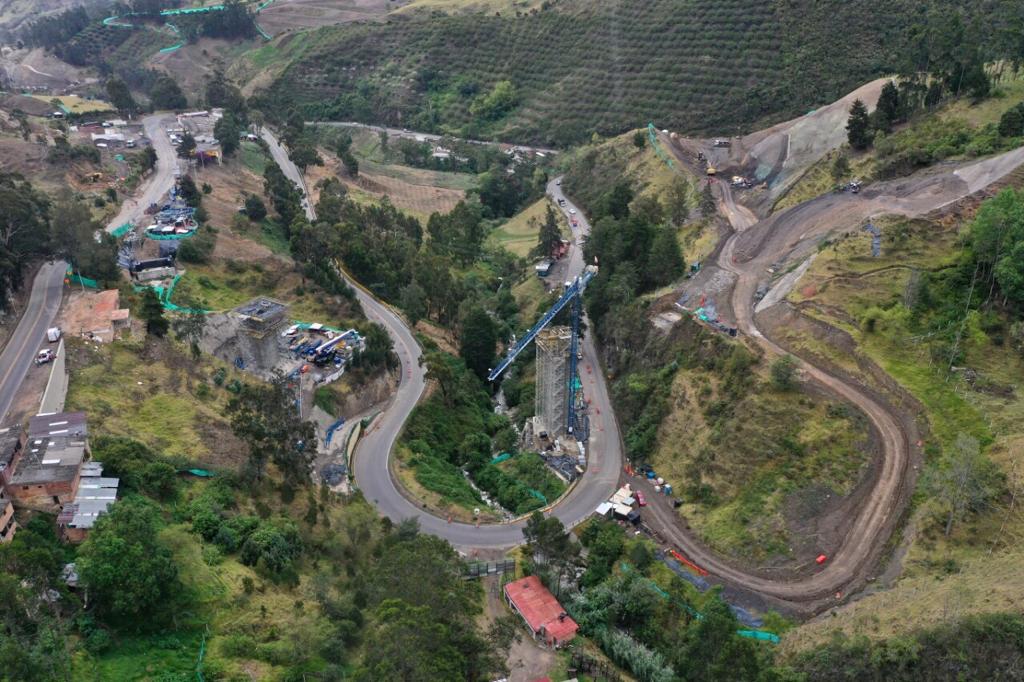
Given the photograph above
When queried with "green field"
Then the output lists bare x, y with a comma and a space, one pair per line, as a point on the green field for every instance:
73, 104
519, 233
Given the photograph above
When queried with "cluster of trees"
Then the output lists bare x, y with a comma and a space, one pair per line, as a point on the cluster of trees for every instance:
496, 103
263, 416
456, 430
391, 603
503, 193
930, 139
1011, 123
651, 632
636, 247
32, 226
56, 30
464, 157
344, 151
234, 22
895, 105
164, 93
301, 142
987, 285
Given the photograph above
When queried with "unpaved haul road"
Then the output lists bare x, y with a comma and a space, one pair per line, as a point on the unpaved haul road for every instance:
748, 253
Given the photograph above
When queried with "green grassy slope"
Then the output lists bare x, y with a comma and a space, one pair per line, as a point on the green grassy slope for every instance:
697, 65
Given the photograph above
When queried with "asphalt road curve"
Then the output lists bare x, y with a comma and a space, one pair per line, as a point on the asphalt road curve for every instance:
371, 459
30, 335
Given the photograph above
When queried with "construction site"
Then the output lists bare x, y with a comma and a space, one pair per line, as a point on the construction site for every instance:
560, 427
259, 338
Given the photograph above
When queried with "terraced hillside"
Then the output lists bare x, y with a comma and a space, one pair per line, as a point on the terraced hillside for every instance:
604, 65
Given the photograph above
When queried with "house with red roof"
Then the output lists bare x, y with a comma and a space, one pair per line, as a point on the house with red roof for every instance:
542, 613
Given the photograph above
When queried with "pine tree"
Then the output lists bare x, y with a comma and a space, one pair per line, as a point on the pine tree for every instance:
478, 340
152, 313
549, 235
858, 126
887, 111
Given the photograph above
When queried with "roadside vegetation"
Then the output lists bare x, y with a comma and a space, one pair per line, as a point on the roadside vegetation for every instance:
186, 575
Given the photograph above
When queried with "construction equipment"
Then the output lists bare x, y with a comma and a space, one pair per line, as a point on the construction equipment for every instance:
573, 294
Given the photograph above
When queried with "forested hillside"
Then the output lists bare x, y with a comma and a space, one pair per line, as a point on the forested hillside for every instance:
557, 74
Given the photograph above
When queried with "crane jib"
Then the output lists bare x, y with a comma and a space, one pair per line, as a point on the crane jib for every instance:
572, 291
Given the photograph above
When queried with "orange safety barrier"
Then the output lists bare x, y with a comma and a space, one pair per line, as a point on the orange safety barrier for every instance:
686, 562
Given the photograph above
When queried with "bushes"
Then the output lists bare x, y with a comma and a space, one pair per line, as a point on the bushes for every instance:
199, 247
978, 647
272, 547
139, 468
509, 493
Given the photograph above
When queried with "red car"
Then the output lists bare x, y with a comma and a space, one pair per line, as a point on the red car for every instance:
640, 499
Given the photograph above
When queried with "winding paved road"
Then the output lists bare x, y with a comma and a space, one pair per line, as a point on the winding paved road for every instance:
30, 334
371, 467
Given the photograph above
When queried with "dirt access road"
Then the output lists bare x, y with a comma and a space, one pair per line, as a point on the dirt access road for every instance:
162, 177
755, 246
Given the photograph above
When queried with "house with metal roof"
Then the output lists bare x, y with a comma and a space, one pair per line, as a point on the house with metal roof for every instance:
95, 494
541, 612
43, 474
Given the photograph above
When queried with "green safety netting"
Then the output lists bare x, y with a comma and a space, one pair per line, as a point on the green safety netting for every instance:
83, 281
652, 133
501, 458
165, 293
121, 231
169, 237
762, 635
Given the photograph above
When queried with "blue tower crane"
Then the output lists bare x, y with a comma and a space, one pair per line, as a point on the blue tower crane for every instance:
573, 294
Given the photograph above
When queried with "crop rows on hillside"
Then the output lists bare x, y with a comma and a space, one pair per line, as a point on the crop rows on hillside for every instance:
697, 65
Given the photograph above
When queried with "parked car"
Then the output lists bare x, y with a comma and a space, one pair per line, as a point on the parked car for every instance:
640, 499
44, 356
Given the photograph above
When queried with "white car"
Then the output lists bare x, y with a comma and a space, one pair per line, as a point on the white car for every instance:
44, 356
572, 211
558, 182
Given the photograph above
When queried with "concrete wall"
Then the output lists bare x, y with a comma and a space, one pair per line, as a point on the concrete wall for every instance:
57, 386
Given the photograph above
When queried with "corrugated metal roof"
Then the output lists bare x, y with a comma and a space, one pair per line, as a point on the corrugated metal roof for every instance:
540, 608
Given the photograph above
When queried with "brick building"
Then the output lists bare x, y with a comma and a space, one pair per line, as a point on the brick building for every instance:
43, 475
7, 523
542, 613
